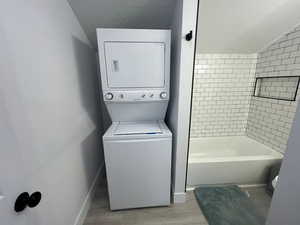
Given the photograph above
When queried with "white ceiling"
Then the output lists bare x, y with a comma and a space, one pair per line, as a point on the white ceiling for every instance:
122, 14
244, 26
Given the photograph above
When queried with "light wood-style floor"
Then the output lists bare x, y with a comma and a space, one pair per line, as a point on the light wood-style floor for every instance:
187, 213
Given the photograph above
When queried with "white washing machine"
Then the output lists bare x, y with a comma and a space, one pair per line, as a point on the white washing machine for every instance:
135, 74
138, 162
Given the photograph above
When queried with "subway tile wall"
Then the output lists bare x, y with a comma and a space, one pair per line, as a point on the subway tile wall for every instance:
270, 120
223, 85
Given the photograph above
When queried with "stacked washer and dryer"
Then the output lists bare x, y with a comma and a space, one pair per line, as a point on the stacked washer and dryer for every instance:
135, 77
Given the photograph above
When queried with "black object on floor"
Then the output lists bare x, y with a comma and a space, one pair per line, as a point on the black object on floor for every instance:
227, 205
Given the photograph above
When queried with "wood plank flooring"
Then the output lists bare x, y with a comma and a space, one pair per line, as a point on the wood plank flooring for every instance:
187, 213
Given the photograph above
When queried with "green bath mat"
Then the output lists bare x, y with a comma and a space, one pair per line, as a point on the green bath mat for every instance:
227, 205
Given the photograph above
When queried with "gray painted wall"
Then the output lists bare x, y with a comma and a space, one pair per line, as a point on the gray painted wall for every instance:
49, 89
286, 200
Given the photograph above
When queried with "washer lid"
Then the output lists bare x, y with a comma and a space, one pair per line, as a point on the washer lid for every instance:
128, 128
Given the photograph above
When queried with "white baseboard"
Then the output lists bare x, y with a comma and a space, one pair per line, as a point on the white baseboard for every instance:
89, 197
190, 188
179, 197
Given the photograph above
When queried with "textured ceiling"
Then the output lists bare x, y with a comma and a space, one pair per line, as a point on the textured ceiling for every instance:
122, 14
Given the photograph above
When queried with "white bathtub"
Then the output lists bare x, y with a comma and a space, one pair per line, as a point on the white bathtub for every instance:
224, 160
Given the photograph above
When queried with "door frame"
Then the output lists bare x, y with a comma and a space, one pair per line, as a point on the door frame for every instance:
192, 90
179, 110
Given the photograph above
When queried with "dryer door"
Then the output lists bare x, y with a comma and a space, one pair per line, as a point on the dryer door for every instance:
135, 64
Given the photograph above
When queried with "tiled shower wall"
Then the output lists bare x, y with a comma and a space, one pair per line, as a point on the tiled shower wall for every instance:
270, 120
223, 84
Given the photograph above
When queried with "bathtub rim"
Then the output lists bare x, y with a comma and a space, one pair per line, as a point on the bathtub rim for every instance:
207, 159
235, 159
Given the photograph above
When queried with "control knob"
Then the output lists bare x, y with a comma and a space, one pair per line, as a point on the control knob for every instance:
163, 95
109, 96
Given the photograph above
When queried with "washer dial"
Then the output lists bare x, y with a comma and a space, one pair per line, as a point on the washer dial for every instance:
163, 95
109, 96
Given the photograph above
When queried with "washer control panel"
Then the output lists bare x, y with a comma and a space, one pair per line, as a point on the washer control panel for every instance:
109, 96
163, 95
132, 96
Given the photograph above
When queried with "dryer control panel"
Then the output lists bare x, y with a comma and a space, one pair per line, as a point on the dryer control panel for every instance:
132, 96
